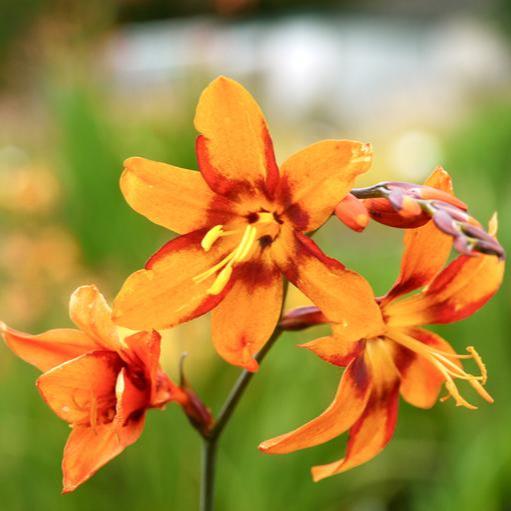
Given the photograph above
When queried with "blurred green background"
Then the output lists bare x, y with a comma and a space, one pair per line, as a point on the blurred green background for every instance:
84, 85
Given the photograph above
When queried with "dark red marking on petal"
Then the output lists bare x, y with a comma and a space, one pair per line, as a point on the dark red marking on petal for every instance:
254, 274
175, 244
447, 312
310, 248
272, 169
360, 373
208, 170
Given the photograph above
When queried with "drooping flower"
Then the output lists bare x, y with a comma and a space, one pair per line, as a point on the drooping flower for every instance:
401, 357
99, 381
241, 221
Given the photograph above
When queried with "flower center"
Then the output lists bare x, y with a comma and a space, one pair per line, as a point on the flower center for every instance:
449, 366
262, 227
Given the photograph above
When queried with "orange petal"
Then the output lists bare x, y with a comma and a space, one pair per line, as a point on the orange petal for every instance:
132, 397
421, 382
50, 348
91, 314
347, 406
335, 350
144, 355
249, 313
175, 198
82, 391
88, 449
426, 248
369, 435
456, 293
344, 296
164, 294
317, 178
235, 151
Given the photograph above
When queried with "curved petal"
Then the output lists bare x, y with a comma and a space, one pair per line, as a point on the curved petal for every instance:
344, 296
164, 294
235, 151
143, 355
88, 449
347, 406
335, 350
90, 312
50, 348
132, 397
456, 293
176, 198
421, 382
82, 391
249, 313
317, 178
427, 248
369, 435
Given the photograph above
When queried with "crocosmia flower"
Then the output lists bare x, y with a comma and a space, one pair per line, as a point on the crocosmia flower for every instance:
242, 221
400, 357
97, 380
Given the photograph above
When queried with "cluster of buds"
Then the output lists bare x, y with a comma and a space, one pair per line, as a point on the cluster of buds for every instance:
407, 205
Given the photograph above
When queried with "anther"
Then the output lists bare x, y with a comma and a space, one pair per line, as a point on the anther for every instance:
211, 236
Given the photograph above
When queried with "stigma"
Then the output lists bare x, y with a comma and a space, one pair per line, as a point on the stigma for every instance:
450, 366
243, 251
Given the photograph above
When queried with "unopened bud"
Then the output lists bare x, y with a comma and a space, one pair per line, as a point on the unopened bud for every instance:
381, 210
302, 317
352, 213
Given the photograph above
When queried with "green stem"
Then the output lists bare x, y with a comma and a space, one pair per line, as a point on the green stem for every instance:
211, 439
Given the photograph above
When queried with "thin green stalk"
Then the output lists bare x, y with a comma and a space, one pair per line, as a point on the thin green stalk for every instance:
211, 439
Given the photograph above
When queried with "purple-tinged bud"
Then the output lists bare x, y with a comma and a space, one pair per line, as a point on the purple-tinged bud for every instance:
302, 317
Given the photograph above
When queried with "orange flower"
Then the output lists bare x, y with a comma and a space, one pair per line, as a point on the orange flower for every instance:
400, 357
242, 221
97, 381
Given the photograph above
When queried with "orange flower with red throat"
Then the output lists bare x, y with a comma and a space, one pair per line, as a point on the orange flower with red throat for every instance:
401, 357
241, 220
98, 381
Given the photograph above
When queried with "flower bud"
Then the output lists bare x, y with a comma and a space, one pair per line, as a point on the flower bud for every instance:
302, 317
381, 210
352, 213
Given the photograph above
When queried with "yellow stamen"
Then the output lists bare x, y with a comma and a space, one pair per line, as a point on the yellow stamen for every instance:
225, 266
221, 281
450, 371
211, 236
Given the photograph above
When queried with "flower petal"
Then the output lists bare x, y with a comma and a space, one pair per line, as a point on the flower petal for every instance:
344, 296
132, 397
164, 294
176, 198
421, 382
456, 293
317, 178
249, 313
369, 435
144, 354
426, 248
90, 312
235, 151
335, 350
88, 449
50, 348
81, 390
347, 406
